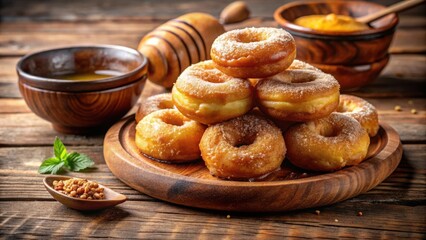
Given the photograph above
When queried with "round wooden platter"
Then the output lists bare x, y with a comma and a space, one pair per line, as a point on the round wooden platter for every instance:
287, 189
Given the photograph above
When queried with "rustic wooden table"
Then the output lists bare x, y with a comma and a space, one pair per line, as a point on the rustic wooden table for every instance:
394, 209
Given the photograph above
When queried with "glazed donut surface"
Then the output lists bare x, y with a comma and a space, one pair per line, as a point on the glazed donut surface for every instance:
242, 148
253, 52
364, 112
300, 93
154, 103
206, 95
169, 136
327, 144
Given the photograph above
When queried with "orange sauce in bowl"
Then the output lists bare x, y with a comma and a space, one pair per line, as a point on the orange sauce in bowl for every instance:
331, 22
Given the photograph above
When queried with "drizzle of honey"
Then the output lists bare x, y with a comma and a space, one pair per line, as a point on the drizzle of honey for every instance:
88, 76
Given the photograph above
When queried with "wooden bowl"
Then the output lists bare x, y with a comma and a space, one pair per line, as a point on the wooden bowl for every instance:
347, 49
353, 77
112, 198
81, 107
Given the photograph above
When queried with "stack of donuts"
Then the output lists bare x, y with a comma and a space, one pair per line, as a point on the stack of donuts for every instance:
252, 106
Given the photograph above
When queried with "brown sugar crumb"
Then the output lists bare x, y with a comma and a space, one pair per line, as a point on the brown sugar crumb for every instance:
397, 108
359, 213
413, 111
79, 188
336, 220
228, 216
317, 212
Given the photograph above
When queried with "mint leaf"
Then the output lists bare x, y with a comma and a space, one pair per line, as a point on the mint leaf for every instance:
62, 160
76, 161
51, 165
59, 149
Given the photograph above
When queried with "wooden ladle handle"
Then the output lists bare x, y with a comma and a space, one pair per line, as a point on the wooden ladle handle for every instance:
397, 7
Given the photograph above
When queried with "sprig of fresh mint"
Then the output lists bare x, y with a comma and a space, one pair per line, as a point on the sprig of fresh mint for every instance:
71, 161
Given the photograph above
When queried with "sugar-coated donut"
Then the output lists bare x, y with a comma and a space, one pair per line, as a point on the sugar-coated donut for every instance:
205, 94
154, 103
300, 93
365, 113
245, 147
169, 136
327, 144
253, 52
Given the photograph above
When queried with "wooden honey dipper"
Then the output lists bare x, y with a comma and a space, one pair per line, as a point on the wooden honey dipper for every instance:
175, 45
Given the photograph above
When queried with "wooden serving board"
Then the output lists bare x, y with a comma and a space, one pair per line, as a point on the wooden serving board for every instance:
287, 189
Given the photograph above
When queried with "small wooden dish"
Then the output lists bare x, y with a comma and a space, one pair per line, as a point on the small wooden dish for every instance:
333, 50
112, 198
287, 189
353, 77
80, 107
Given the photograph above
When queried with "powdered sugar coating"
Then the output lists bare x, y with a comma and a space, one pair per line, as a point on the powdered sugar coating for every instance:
299, 82
297, 64
245, 45
169, 136
362, 111
241, 148
204, 81
154, 103
327, 144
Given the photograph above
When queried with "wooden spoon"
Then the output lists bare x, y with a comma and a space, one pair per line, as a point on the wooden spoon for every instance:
112, 198
397, 7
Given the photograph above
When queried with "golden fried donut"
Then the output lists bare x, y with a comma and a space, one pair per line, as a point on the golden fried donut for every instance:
169, 136
245, 147
253, 52
362, 111
327, 144
300, 93
209, 96
154, 103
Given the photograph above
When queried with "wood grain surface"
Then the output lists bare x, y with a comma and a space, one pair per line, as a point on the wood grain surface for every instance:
394, 209
287, 189
87, 112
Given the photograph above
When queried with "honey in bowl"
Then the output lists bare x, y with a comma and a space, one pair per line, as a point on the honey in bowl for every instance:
331, 22
87, 76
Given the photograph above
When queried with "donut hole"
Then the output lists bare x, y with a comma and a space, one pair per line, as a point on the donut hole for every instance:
165, 105
214, 79
206, 71
209, 74
295, 76
245, 141
237, 138
329, 132
172, 120
346, 107
326, 130
249, 37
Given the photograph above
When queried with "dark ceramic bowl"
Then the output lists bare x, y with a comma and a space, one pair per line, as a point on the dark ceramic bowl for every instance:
330, 50
80, 107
